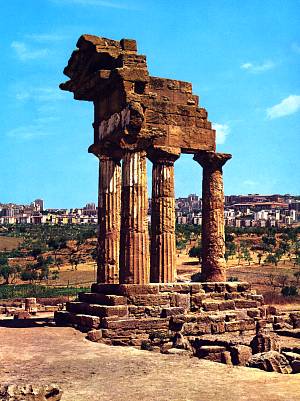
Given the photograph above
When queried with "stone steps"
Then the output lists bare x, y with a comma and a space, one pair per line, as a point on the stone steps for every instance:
96, 309
129, 313
102, 299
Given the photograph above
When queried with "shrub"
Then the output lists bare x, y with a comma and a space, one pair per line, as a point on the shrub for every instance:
289, 291
233, 278
146, 345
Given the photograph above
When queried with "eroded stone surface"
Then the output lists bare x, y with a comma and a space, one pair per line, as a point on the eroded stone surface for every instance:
12, 392
271, 361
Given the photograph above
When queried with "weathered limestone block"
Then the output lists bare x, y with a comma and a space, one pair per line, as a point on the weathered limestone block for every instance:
106, 311
30, 392
180, 342
197, 301
232, 287
196, 329
217, 324
176, 322
243, 286
150, 300
177, 287
138, 289
172, 311
240, 354
62, 318
262, 342
21, 315
139, 324
211, 352
31, 305
235, 325
254, 312
271, 361
134, 251
245, 304
213, 234
226, 358
109, 209
87, 321
295, 366
226, 305
291, 356
102, 299
210, 305
94, 335
180, 300
295, 319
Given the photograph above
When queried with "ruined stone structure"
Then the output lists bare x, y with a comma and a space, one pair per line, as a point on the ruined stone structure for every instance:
136, 300
138, 116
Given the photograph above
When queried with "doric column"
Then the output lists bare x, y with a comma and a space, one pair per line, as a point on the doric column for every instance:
109, 210
134, 251
213, 235
163, 245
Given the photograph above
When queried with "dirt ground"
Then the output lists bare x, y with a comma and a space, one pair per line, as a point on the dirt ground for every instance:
9, 243
94, 372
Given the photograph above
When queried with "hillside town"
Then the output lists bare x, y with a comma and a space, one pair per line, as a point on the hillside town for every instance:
252, 210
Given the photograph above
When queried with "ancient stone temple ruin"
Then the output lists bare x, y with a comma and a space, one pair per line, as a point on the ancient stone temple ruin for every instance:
136, 117
136, 298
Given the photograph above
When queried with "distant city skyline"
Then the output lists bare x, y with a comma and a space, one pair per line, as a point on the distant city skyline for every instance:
243, 60
88, 203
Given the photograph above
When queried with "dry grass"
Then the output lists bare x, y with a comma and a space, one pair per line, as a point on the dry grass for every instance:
9, 243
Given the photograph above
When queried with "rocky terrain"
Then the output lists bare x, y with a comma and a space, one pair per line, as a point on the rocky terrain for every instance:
89, 371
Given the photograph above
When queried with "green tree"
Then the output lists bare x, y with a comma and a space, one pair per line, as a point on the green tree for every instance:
272, 259
259, 257
246, 255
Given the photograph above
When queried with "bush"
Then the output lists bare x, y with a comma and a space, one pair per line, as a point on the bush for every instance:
289, 291
146, 345
233, 278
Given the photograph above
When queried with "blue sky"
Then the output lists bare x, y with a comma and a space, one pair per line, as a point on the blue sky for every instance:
242, 57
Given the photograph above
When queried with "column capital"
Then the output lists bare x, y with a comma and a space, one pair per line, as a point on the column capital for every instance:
163, 154
107, 153
212, 160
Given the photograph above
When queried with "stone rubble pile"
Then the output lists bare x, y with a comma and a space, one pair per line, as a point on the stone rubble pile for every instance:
29, 392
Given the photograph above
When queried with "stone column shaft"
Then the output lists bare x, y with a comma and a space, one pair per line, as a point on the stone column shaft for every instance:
109, 209
213, 234
134, 251
163, 245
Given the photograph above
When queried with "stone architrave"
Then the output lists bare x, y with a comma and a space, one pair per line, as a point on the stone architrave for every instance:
213, 233
109, 209
163, 245
134, 242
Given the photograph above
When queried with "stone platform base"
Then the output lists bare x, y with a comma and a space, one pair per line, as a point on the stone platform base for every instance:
128, 314
223, 321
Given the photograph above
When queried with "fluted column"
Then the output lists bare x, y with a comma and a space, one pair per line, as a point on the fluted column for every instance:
163, 245
213, 234
134, 251
109, 209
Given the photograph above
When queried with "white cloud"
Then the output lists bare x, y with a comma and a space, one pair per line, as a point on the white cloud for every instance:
29, 132
258, 68
296, 47
287, 106
41, 94
24, 53
222, 131
46, 37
